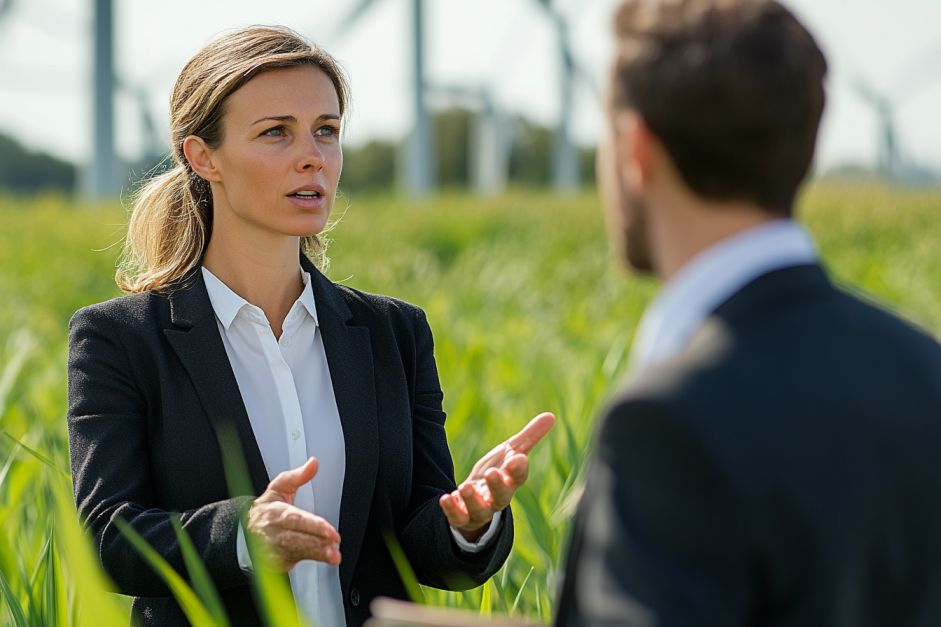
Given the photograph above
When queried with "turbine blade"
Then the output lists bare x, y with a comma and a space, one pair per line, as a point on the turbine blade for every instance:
353, 16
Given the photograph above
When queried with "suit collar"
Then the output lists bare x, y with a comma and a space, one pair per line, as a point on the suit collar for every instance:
194, 336
777, 290
349, 351
326, 295
190, 303
189, 300
710, 278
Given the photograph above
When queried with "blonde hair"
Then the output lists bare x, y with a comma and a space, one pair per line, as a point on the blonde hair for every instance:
171, 219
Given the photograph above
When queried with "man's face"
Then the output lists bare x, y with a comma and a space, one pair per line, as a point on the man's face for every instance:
625, 209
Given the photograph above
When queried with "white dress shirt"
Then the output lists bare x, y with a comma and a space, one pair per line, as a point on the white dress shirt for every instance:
288, 394
286, 388
709, 279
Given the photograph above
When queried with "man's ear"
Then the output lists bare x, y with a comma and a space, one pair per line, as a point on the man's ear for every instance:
200, 158
636, 147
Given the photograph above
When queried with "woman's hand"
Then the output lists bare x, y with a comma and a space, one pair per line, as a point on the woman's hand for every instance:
289, 533
494, 480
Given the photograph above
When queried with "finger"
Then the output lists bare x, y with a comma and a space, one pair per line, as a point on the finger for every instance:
458, 502
501, 489
456, 516
296, 519
288, 482
478, 509
535, 430
517, 468
294, 546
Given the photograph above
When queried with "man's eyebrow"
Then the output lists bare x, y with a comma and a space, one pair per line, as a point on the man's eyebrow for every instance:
291, 118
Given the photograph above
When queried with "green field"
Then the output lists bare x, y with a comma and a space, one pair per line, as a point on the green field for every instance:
530, 313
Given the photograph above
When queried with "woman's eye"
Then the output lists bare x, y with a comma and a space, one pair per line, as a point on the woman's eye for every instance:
277, 131
328, 131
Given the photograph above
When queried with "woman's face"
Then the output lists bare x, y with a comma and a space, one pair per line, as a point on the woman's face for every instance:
280, 158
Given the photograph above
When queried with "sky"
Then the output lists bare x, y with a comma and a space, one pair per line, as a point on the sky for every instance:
505, 46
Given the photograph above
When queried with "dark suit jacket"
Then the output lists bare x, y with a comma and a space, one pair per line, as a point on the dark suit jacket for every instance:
150, 387
784, 470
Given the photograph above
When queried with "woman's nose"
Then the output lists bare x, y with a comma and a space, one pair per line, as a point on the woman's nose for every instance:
311, 156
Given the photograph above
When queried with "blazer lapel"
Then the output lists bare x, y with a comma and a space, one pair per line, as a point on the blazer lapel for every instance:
349, 356
195, 338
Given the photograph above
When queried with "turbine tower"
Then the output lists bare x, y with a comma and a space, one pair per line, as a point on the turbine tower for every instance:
889, 161
565, 175
103, 180
419, 157
490, 136
893, 161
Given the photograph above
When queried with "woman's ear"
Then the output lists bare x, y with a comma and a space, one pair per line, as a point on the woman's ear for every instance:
200, 158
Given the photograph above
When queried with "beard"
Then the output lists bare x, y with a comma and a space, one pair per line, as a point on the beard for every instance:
627, 215
635, 236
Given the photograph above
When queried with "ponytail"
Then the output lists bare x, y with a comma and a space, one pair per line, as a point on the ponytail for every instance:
169, 229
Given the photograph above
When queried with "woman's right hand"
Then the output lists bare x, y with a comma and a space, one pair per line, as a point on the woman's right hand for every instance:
289, 533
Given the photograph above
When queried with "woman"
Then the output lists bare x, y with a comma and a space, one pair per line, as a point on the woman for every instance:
229, 328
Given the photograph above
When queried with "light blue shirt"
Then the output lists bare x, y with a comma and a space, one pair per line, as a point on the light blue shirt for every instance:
709, 279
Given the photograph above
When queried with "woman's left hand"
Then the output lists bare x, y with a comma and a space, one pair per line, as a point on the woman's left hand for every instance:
494, 480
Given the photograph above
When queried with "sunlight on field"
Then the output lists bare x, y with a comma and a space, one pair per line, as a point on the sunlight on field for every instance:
530, 313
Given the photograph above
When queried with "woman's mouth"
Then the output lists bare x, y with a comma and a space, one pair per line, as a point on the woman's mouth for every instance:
306, 194
307, 198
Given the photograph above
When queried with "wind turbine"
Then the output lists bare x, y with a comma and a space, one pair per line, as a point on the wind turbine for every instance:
103, 176
889, 160
892, 161
491, 138
419, 159
153, 149
565, 174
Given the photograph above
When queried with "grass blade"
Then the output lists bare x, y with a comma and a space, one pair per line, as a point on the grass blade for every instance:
196, 612
38, 581
519, 594
412, 588
92, 603
275, 599
486, 600
199, 575
48, 462
13, 604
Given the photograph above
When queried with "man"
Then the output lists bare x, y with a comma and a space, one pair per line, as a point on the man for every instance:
774, 459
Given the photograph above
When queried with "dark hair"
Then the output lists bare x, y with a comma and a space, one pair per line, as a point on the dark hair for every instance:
732, 88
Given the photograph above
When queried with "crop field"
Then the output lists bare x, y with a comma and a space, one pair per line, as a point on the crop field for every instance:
530, 313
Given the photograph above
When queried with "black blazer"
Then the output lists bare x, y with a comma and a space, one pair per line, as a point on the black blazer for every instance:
783, 470
150, 387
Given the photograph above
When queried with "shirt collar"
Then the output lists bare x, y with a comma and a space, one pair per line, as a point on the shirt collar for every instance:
227, 303
307, 297
711, 278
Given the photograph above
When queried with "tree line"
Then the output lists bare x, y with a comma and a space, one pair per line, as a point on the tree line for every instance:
372, 166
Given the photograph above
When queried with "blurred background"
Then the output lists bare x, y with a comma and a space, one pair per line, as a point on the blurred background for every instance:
449, 93
467, 189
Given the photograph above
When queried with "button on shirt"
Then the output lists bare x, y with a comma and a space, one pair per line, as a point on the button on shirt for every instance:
709, 279
288, 395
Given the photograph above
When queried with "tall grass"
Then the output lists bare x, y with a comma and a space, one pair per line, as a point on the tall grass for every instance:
529, 311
